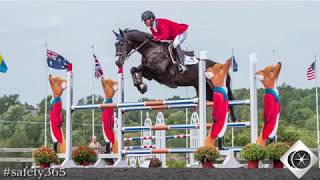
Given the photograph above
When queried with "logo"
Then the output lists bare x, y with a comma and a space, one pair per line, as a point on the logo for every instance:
299, 159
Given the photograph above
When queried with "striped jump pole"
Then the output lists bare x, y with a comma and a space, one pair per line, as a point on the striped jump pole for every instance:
179, 126
157, 104
178, 106
140, 147
178, 136
171, 150
160, 151
135, 104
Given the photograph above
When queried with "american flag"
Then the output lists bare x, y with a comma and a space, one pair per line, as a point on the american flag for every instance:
311, 72
98, 71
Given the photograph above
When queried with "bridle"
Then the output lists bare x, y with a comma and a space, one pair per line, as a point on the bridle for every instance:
127, 55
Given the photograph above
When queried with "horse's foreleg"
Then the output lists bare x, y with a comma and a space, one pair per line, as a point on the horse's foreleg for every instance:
136, 73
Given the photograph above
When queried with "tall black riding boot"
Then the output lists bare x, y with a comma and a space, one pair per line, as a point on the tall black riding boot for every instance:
220, 143
108, 149
271, 140
55, 147
180, 55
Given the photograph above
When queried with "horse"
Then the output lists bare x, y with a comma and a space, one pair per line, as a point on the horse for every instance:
157, 64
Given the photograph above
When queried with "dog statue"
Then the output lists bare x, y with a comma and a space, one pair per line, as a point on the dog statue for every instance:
57, 84
109, 88
218, 74
271, 110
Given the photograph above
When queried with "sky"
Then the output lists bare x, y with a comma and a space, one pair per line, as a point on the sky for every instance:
292, 29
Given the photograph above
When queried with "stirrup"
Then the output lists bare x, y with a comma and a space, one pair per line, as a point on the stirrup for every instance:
182, 68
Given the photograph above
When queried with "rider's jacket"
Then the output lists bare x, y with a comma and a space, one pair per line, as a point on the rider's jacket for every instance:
165, 29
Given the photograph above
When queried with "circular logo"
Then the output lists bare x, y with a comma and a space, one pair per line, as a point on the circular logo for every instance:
299, 159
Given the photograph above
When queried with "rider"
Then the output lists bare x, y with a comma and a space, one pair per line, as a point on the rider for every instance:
164, 29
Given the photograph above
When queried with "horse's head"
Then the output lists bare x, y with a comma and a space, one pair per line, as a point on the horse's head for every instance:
123, 47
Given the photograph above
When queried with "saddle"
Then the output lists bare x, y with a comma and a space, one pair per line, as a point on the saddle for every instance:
186, 52
189, 53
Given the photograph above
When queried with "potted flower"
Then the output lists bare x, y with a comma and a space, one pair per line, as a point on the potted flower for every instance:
253, 153
275, 151
155, 162
84, 155
45, 156
206, 155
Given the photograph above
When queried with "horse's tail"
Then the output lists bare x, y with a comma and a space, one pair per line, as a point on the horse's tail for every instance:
230, 96
228, 83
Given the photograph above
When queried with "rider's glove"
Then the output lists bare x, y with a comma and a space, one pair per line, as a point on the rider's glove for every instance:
151, 37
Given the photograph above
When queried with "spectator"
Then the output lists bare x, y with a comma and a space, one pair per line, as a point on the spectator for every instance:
95, 145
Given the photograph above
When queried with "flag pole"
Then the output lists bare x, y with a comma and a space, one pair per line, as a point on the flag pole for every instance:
92, 96
232, 132
317, 107
274, 56
274, 59
45, 101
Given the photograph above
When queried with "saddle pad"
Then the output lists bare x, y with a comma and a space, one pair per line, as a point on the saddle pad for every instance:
190, 60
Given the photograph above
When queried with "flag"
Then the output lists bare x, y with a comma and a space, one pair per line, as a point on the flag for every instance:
234, 64
311, 71
98, 71
56, 61
3, 66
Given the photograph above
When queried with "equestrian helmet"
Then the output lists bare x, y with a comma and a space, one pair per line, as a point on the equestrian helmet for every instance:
147, 15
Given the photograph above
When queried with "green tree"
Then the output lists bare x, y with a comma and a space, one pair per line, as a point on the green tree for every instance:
7, 101
10, 119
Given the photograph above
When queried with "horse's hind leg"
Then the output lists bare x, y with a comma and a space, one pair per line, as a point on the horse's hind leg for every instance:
136, 73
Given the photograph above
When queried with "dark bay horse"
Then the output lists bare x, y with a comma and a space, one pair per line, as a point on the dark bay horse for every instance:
156, 64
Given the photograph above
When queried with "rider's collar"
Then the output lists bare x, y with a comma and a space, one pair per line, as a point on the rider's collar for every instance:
154, 26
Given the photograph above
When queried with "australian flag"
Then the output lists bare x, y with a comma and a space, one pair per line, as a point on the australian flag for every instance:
56, 61
98, 70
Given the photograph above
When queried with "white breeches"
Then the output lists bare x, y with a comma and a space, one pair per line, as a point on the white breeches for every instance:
179, 39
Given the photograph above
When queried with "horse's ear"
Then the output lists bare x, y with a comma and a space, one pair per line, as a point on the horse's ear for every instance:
115, 33
121, 32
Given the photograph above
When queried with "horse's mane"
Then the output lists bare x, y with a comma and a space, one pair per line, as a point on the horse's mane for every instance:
144, 34
127, 30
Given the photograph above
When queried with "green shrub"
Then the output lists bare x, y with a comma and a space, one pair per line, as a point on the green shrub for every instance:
204, 154
84, 154
253, 152
176, 164
45, 155
276, 150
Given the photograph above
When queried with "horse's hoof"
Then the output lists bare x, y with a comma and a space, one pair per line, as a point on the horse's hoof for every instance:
143, 88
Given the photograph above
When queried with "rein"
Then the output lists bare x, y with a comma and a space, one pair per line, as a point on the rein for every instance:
137, 48
134, 50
